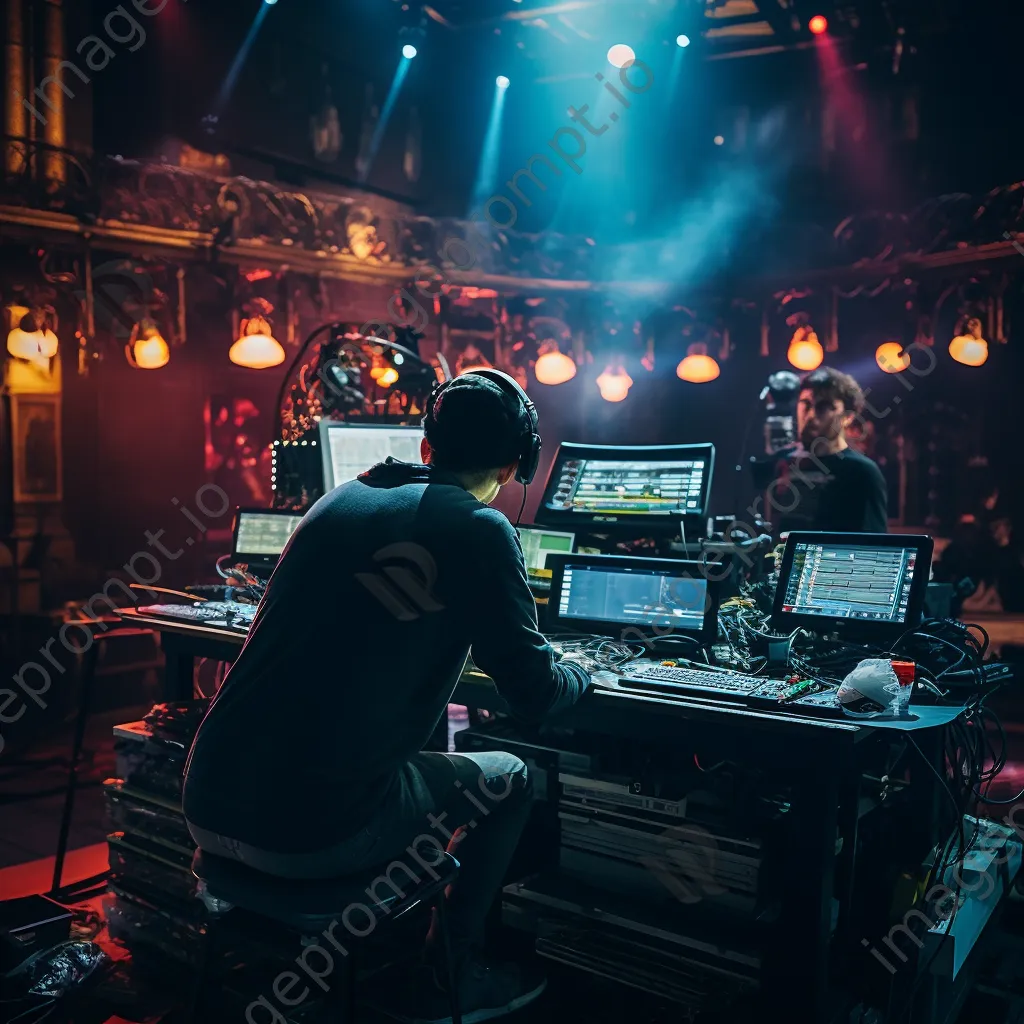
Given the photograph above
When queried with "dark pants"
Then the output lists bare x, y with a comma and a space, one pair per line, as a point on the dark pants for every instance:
474, 804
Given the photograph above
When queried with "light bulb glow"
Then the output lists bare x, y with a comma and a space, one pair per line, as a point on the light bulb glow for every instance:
818, 24
257, 352
682, 40
614, 384
891, 358
968, 350
38, 346
805, 351
151, 353
698, 367
554, 368
387, 377
621, 55
502, 82
409, 51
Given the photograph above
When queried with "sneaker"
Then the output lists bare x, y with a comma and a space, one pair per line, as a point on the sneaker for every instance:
486, 990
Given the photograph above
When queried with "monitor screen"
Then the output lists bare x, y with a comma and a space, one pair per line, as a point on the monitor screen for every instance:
861, 581
629, 486
349, 449
538, 544
261, 534
631, 597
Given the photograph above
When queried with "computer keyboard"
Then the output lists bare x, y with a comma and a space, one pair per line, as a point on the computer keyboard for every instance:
224, 614
758, 691
700, 679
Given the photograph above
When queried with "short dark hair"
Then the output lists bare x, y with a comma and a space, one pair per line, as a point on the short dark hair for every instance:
827, 382
475, 426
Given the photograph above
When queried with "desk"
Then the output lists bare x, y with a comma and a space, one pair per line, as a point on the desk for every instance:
182, 643
820, 762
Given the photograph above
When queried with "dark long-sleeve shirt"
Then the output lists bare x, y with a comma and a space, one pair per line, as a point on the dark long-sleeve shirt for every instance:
841, 493
354, 653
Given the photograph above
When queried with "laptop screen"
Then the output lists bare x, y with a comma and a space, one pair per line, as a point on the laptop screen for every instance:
261, 534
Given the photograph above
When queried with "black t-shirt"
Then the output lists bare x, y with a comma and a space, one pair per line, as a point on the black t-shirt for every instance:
845, 492
353, 656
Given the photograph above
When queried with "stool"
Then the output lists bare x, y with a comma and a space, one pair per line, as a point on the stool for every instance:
311, 907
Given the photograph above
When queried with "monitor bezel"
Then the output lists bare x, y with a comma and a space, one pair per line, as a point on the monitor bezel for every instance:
327, 466
707, 634
571, 521
867, 630
236, 522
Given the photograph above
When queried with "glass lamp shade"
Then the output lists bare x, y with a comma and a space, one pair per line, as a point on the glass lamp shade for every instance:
34, 345
554, 368
698, 367
257, 348
805, 351
891, 358
151, 352
968, 349
614, 384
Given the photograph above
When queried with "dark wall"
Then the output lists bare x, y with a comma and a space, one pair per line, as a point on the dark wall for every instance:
135, 441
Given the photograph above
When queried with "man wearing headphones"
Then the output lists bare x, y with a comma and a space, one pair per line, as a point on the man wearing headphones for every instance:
309, 763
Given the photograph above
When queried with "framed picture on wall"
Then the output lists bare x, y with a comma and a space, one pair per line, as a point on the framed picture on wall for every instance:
36, 442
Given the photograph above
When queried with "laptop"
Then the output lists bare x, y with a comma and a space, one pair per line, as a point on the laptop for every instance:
259, 536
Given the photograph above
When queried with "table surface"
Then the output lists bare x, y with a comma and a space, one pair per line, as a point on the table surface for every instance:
477, 690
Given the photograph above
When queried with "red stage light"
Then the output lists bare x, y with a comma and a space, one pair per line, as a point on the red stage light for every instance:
818, 24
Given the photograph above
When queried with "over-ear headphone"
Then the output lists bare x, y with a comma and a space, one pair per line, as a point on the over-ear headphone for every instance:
529, 443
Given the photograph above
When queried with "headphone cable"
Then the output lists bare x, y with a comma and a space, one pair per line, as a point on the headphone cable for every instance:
522, 507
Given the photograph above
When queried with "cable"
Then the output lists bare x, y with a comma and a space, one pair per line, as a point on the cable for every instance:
522, 506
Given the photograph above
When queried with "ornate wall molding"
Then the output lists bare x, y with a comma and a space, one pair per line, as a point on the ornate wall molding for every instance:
160, 208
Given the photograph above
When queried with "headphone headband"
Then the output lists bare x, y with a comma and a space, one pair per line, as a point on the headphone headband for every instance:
529, 443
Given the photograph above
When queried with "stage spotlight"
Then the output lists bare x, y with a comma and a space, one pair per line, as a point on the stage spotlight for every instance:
818, 24
408, 51
682, 40
614, 384
719, 140
621, 55
698, 367
891, 358
969, 347
501, 82
270, 3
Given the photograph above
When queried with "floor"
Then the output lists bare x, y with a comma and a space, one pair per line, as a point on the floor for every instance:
32, 791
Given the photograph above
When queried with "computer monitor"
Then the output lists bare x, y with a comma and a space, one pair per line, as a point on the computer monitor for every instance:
260, 534
538, 544
869, 584
614, 487
348, 449
632, 599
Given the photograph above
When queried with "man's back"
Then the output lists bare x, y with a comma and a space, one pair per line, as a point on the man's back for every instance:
353, 656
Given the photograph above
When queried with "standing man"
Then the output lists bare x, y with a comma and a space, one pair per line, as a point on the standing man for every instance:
825, 484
